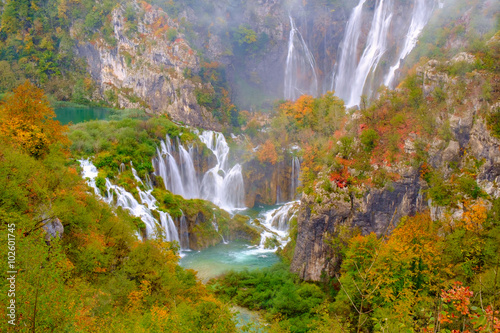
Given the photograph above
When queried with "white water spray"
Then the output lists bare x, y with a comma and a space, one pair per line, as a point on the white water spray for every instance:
422, 11
300, 70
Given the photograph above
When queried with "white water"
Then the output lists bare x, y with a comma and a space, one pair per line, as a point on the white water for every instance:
353, 74
347, 64
300, 70
422, 11
127, 201
221, 185
276, 224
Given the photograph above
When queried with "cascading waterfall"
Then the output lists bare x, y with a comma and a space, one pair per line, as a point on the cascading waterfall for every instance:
300, 71
280, 218
276, 224
422, 11
176, 181
294, 178
222, 185
127, 201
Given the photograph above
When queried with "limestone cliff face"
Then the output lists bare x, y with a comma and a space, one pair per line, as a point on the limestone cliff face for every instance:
266, 183
145, 69
323, 214
372, 212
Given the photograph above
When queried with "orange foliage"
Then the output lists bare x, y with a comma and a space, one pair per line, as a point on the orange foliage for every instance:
27, 120
299, 110
267, 153
475, 216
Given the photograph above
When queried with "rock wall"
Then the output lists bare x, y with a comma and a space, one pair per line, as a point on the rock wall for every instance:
323, 215
146, 69
266, 183
377, 210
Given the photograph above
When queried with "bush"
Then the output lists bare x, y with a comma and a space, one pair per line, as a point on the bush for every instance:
369, 138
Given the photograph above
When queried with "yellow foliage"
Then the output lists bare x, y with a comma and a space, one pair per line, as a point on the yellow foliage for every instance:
27, 121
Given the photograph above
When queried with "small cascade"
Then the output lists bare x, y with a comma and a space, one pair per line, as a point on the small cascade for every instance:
276, 224
279, 218
294, 178
127, 201
123, 168
90, 174
300, 71
184, 233
216, 227
422, 11
168, 227
222, 185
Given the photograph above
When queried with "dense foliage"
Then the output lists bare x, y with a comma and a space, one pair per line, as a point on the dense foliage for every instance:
98, 276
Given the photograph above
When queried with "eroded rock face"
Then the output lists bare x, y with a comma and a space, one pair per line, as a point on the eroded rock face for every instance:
266, 183
146, 69
468, 142
377, 210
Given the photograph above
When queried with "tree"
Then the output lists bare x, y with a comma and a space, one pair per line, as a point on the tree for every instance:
27, 121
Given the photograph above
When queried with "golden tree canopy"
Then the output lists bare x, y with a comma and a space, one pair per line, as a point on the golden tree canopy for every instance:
26, 120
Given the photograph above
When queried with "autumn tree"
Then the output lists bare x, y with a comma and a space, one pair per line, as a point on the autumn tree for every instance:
27, 121
267, 153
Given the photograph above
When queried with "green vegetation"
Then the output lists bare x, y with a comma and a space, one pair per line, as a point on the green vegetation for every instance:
98, 276
275, 290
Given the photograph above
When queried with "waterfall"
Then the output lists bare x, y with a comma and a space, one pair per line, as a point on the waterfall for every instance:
216, 227
375, 47
169, 170
127, 201
168, 227
276, 224
422, 11
90, 174
280, 217
300, 70
353, 77
184, 237
346, 67
294, 179
221, 185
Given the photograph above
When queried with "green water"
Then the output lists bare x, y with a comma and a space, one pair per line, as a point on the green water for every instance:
79, 114
222, 258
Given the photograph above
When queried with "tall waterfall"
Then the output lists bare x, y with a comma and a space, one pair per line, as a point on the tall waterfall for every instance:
346, 67
353, 77
300, 72
222, 185
422, 11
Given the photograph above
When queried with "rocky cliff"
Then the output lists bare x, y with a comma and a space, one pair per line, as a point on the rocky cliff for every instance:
465, 159
145, 68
